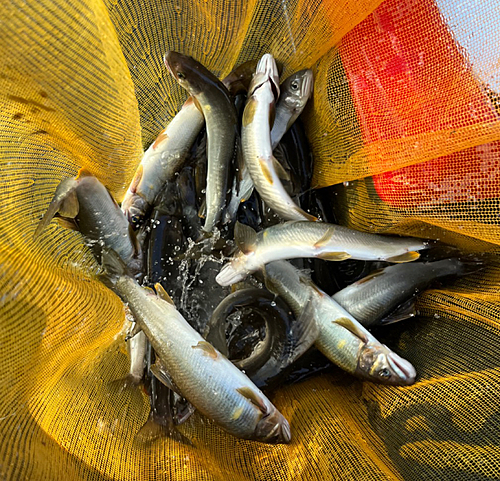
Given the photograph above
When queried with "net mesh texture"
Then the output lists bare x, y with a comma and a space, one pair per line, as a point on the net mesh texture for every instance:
404, 118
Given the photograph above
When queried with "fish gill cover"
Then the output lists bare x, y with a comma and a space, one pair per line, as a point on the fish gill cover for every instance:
404, 112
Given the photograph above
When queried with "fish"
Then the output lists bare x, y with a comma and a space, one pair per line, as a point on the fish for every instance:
84, 204
161, 161
341, 338
286, 338
388, 295
256, 141
213, 99
168, 153
193, 367
295, 92
322, 240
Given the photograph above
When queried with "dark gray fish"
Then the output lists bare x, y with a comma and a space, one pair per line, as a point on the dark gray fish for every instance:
285, 338
388, 295
213, 99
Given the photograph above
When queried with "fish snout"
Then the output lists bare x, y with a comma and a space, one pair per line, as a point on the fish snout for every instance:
228, 275
402, 368
273, 429
267, 66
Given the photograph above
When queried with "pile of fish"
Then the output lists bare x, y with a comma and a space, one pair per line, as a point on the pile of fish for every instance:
209, 221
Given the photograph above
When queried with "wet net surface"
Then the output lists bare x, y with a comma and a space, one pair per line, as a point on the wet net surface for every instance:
404, 112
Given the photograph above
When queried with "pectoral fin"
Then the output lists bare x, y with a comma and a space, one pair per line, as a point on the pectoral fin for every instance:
305, 332
266, 171
352, 327
254, 398
325, 238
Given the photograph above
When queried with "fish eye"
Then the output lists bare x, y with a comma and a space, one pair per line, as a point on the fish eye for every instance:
384, 373
181, 75
294, 85
135, 219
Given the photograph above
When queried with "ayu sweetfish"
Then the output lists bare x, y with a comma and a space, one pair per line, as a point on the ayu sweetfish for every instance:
168, 153
194, 368
341, 338
256, 141
248, 310
84, 204
312, 239
388, 295
213, 99
294, 94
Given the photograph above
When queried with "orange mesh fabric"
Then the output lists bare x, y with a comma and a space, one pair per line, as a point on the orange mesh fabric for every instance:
404, 111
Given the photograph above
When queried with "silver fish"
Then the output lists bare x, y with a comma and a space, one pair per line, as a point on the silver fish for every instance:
212, 97
341, 338
256, 141
295, 92
84, 204
207, 379
388, 295
164, 157
312, 239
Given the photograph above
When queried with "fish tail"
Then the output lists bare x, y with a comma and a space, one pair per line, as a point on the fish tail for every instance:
125, 383
151, 431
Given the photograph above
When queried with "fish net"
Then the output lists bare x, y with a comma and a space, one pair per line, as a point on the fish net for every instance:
404, 122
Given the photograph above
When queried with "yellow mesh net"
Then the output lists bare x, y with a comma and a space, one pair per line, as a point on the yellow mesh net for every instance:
405, 112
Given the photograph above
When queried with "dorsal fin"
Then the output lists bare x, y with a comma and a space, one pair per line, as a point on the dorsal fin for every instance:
163, 294
280, 171
402, 312
245, 237
370, 276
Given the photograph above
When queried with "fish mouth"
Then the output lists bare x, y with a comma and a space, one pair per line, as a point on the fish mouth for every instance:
229, 275
307, 83
273, 429
403, 369
168, 59
267, 66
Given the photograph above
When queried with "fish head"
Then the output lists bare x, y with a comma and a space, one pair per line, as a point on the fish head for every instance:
266, 71
296, 90
187, 71
378, 363
273, 429
239, 79
135, 208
